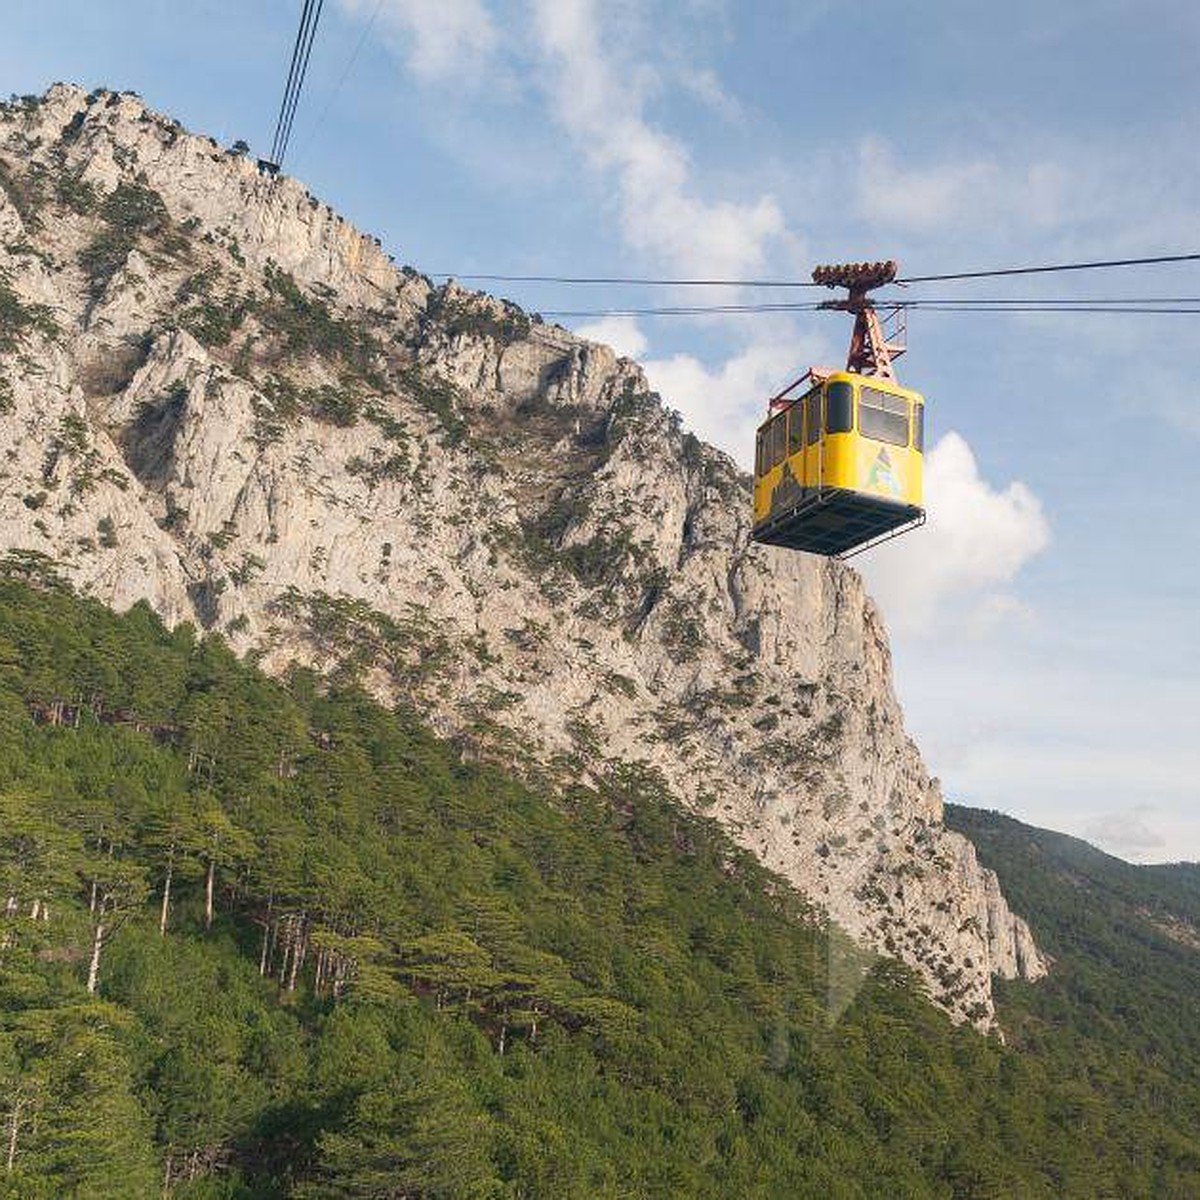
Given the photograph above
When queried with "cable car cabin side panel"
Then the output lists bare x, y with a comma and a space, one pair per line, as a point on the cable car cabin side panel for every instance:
781, 473
841, 466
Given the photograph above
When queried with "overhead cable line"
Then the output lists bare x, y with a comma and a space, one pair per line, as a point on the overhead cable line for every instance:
1052, 308
291, 76
302, 72
310, 15
1020, 306
622, 280
644, 281
680, 310
1077, 266
337, 87
968, 301
293, 69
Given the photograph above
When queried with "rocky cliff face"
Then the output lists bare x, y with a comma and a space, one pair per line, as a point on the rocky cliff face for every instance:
217, 396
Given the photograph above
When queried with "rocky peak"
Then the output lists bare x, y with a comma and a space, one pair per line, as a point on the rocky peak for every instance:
218, 396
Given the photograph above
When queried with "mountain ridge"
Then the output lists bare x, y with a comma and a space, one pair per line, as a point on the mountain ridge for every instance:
223, 399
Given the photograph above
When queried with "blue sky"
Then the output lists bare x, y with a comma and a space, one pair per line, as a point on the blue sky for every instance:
1045, 621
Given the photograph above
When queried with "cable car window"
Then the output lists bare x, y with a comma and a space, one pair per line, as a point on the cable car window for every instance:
812, 409
883, 417
795, 429
776, 441
839, 407
918, 427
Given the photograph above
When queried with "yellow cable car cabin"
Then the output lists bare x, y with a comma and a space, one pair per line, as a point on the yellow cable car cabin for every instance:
839, 467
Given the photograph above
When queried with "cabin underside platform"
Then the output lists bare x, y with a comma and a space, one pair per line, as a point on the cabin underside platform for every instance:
838, 522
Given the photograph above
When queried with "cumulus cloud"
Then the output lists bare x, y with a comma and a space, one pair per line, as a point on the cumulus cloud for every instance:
621, 333
965, 194
598, 94
705, 85
1128, 834
601, 103
725, 404
439, 39
976, 540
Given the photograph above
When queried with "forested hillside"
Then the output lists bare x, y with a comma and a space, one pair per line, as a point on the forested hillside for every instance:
1120, 1011
267, 938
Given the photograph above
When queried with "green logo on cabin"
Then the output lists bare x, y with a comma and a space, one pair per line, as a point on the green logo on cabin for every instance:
882, 477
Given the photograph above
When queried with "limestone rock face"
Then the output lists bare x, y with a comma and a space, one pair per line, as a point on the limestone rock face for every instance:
218, 397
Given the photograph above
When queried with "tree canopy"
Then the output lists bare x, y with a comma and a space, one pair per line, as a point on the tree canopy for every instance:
269, 938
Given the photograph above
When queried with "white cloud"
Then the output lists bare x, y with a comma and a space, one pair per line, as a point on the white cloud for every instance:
975, 541
724, 405
972, 194
621, 333
598, 92
1128, 834
1037, 724
601, 103
705, 85
995, 610
442, 39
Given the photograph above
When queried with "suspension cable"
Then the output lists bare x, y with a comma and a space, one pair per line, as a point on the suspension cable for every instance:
337, 87
633, 282
1077, 266
1078, 305
301, 52
651, 281
287, 91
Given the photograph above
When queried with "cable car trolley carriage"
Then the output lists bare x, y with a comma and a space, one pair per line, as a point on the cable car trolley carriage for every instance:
837, 465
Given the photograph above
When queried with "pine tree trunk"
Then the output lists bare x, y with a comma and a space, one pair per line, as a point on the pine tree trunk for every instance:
287, 948
166, 896
94, 966
264, 954
14, 1124
208, 893
298, 955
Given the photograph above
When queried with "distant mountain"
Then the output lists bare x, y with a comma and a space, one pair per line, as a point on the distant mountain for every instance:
219, 397
1119, 1013
1073, 891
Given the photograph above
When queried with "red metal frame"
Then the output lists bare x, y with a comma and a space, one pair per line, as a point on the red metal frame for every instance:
872, 348
782, 400
876, 342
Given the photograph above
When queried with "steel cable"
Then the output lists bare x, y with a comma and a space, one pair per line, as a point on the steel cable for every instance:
310, 16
